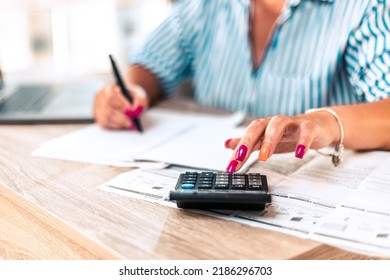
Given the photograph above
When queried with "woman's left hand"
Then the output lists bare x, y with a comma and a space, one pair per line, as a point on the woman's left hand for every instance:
280, 134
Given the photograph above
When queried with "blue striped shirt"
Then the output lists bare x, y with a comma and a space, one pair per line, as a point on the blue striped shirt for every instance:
321, 53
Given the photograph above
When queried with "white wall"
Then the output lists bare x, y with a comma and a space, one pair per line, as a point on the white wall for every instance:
74, 36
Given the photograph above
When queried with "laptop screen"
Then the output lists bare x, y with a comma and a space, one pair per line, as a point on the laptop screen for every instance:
49, 102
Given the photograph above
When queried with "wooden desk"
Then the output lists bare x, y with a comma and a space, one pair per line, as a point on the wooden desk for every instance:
52, 209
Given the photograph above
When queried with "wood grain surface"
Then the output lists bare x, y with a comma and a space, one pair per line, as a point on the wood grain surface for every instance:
52, 209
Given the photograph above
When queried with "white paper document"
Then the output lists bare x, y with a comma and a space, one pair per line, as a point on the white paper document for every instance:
346, 206
192, 140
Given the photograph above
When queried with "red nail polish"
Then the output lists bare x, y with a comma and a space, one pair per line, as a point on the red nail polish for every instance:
241, 152
227, 142
128, 112
232, 167
138, 111
133, 127
133, 113
300, 151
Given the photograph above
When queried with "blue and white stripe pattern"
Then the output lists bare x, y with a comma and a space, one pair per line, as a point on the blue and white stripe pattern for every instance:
322, 52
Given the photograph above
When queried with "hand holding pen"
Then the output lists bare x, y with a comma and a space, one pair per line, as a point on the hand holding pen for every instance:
131, 113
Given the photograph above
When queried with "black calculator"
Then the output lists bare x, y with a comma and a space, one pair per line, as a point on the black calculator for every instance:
211, 190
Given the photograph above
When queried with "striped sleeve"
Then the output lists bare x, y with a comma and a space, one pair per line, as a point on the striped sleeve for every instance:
168, 51
367, 55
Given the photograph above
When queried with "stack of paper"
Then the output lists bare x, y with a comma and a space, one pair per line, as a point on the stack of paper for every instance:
347, 206
192, 140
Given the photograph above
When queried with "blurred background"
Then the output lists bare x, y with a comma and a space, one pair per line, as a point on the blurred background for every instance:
74, 37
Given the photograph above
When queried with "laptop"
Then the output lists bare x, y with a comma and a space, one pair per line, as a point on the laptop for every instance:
71, 102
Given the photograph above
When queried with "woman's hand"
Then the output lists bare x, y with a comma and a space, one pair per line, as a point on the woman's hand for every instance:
280, 134
113, 111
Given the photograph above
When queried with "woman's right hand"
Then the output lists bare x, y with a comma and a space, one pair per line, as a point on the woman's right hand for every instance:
113, 111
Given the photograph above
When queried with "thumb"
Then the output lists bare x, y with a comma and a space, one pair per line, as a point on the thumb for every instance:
140, 97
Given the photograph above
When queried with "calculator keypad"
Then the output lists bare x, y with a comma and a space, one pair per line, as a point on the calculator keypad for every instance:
211, 190
222, 181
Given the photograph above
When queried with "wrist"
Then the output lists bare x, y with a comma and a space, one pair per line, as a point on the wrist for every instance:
330, 122
326, 118
339, 147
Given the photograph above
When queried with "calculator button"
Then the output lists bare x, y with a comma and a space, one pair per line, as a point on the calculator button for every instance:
238, 182
187, 186
207, 174
188, 181
255, 187
255, 179
238, 187
204, 187
255, 182
190, 176
205, 181
221, 186
205, 178
222, 180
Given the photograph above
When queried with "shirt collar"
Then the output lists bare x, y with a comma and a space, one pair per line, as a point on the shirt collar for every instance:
295, 1
291, 5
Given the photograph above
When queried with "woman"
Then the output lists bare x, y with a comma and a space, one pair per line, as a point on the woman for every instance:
274, 60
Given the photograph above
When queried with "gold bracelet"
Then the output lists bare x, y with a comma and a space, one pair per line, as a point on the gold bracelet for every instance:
337, 155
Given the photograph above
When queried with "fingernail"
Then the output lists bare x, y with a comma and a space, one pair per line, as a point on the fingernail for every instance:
133, 113
232, 167
133, 127
227, 142
128, 112
264, 152
241, 152
300, 151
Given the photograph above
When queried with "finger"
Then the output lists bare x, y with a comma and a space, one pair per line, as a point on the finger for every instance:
108, 108
276, 129
285, 147
306, 134
116, 99
115, 119
232, 143
139, 101
112, 118
248, 143
124, 110
139, 95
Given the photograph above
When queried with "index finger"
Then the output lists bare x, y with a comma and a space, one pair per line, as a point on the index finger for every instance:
115, 98
249, 142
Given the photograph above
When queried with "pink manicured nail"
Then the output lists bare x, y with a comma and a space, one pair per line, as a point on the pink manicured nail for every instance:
227, 142
241, 152
300, 151
232, 166
133, 127
134, 113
